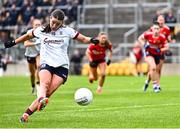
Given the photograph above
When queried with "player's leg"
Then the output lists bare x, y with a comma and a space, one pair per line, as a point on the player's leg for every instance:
59, 77
92, 74
37, 72
32, 70
55, 84
102, 68
146, 84
45, 81
159, 69
37, 69
152, 72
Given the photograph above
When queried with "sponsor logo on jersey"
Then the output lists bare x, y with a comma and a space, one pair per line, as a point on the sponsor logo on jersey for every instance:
53, 41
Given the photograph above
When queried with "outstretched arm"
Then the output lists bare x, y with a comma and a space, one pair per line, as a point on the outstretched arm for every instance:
21, 39
24, 37
85, 39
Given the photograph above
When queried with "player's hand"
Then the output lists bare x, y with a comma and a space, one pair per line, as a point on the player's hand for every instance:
94, 41
146, 46
108, 62
168, 53
9, 44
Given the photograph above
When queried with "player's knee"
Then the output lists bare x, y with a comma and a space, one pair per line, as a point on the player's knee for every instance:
153, 69
103, 75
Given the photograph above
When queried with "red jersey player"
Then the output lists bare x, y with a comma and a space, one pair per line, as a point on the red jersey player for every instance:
136, 57
97, 58
155, 44
164, 29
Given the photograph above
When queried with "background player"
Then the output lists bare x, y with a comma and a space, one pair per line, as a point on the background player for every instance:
32, 52
136, 57
96, 55
164, 29
54, 59
154, 43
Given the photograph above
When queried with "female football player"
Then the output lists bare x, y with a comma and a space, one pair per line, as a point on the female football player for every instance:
155, 44
54, 61
32, 52
164, 29
97, 58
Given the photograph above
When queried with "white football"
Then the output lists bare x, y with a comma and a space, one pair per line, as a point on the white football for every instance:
83, 96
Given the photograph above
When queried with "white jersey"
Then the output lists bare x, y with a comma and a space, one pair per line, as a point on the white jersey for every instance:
33, 51
54, 46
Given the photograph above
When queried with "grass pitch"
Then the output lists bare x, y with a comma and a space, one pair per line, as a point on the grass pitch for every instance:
123, 104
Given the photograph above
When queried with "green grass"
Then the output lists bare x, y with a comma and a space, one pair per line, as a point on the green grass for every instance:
122, 104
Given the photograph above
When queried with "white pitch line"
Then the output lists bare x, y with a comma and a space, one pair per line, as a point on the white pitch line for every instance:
106, 108
91, 128
125, 107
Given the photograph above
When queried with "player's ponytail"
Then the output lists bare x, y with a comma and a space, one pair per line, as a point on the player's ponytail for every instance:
47, 28
58, 14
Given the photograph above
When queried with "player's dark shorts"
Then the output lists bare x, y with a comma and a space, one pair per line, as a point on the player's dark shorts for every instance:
162, 57
95, 63
59, 71
157, 58
31, 60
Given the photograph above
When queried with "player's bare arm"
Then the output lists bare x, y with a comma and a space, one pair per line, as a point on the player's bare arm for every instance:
85, 39
141, 40
24, 37
88, 55
21, 39
165, 47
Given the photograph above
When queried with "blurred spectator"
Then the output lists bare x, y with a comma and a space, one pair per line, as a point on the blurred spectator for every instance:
33, 8
20, 20
72, 11
46, 3
61, 2
7, 19
158, 12
27, 15
24, 6
4, 35
76, 60
6, 3
19, 12
19, 3
2, 16
170, 18
39, 14
38, 2
13, 14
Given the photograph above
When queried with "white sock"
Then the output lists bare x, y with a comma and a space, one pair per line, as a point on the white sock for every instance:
155, 85
147, 81
99, 87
